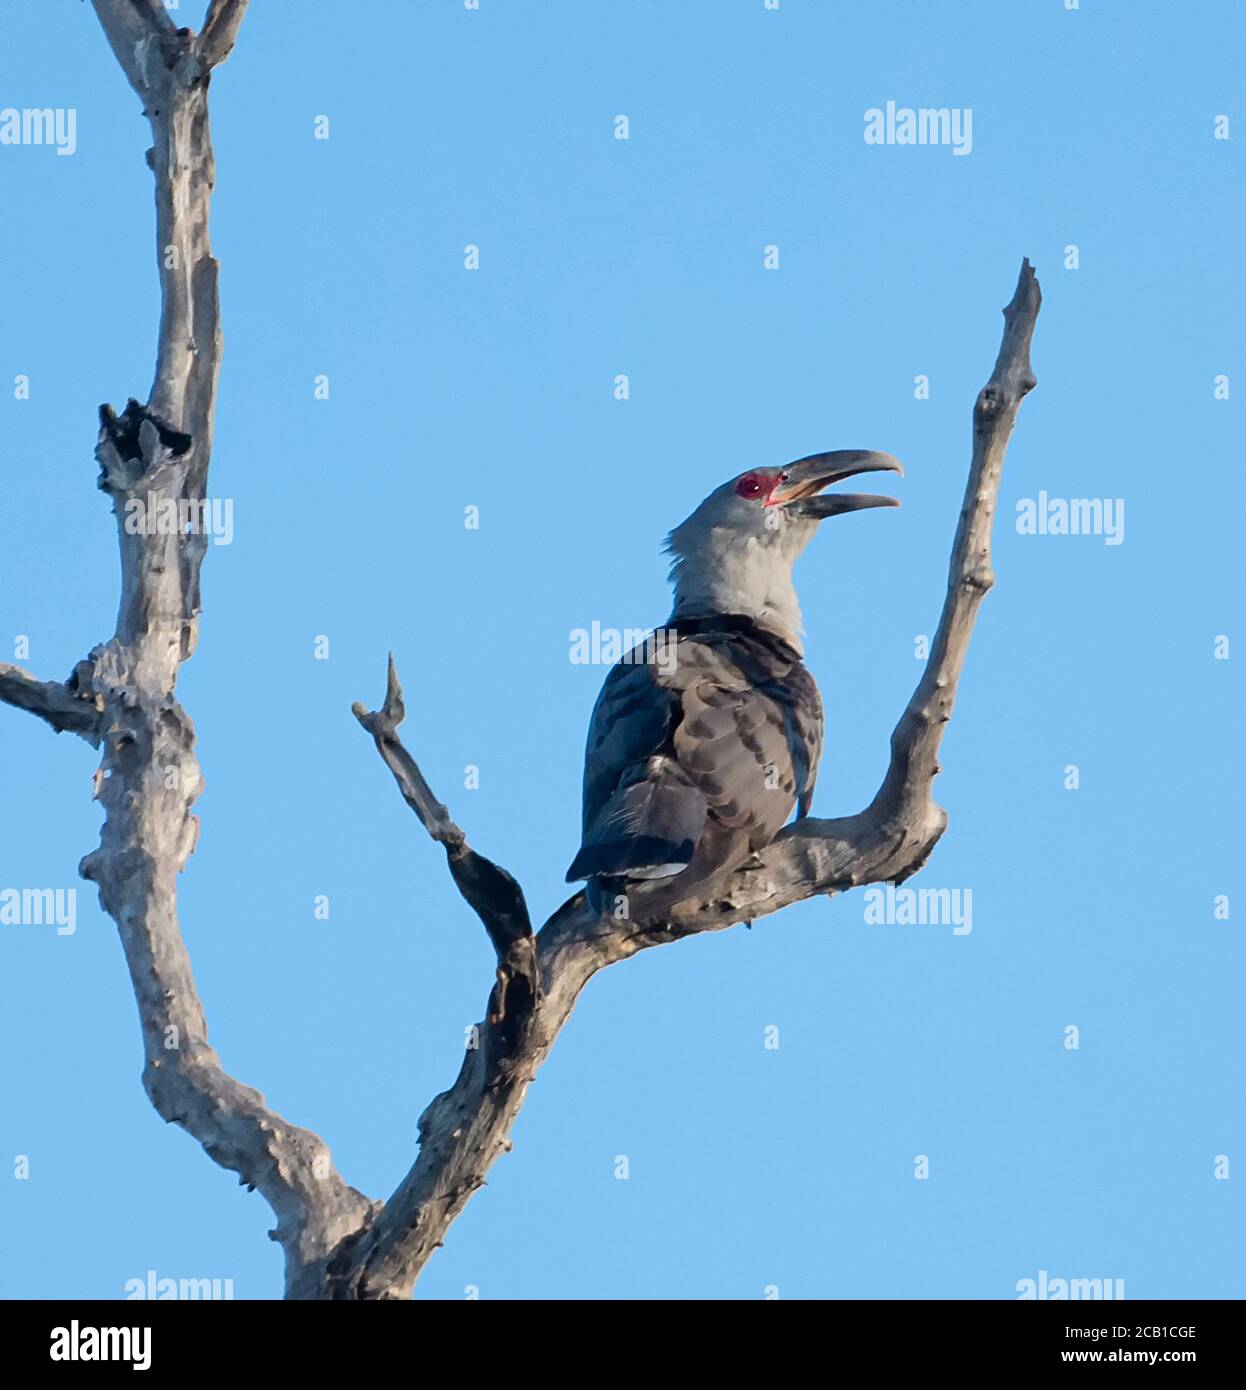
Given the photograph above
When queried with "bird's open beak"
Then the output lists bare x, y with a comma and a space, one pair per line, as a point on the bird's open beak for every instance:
808, 476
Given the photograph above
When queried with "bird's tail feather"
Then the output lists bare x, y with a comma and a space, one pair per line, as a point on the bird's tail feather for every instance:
719, 854
652, 821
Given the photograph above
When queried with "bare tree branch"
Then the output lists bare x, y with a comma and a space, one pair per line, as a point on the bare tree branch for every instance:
66, 710
491, 893
465, 1129
915, 742
153, 456
220, 30
132, 26
134, 29
383, 725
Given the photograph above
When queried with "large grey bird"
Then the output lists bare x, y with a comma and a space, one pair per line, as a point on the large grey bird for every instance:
706, 736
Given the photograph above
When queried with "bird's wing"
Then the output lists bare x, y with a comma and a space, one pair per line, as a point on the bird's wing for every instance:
631, 721
640, 809
731, 729
750, 735
797, 696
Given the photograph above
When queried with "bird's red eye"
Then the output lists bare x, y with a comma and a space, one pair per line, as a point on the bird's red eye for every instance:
750, 486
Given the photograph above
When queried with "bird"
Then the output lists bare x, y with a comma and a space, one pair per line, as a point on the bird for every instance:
708, 734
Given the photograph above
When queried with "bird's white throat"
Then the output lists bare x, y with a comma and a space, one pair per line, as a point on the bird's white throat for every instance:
724, 572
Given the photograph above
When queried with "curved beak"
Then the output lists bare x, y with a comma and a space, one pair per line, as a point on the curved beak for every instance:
808, 476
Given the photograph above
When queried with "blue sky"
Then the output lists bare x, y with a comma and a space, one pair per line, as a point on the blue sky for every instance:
750, 1167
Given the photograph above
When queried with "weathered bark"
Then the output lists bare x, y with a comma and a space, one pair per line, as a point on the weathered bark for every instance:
64, 706
122, 697
338, 1243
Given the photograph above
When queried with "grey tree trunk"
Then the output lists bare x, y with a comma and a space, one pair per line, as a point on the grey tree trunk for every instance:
338, 1243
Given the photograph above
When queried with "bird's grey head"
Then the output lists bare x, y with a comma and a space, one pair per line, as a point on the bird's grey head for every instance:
735, 553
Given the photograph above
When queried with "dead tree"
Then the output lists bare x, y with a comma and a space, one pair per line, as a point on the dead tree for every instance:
121, 699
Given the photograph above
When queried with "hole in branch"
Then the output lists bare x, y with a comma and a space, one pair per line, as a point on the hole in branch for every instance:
123, 430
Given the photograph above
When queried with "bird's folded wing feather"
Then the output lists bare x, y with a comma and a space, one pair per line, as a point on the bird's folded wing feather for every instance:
750, 733
731, 728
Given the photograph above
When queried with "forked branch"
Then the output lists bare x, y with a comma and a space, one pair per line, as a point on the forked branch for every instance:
467, 1127
491, 893
122, 697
